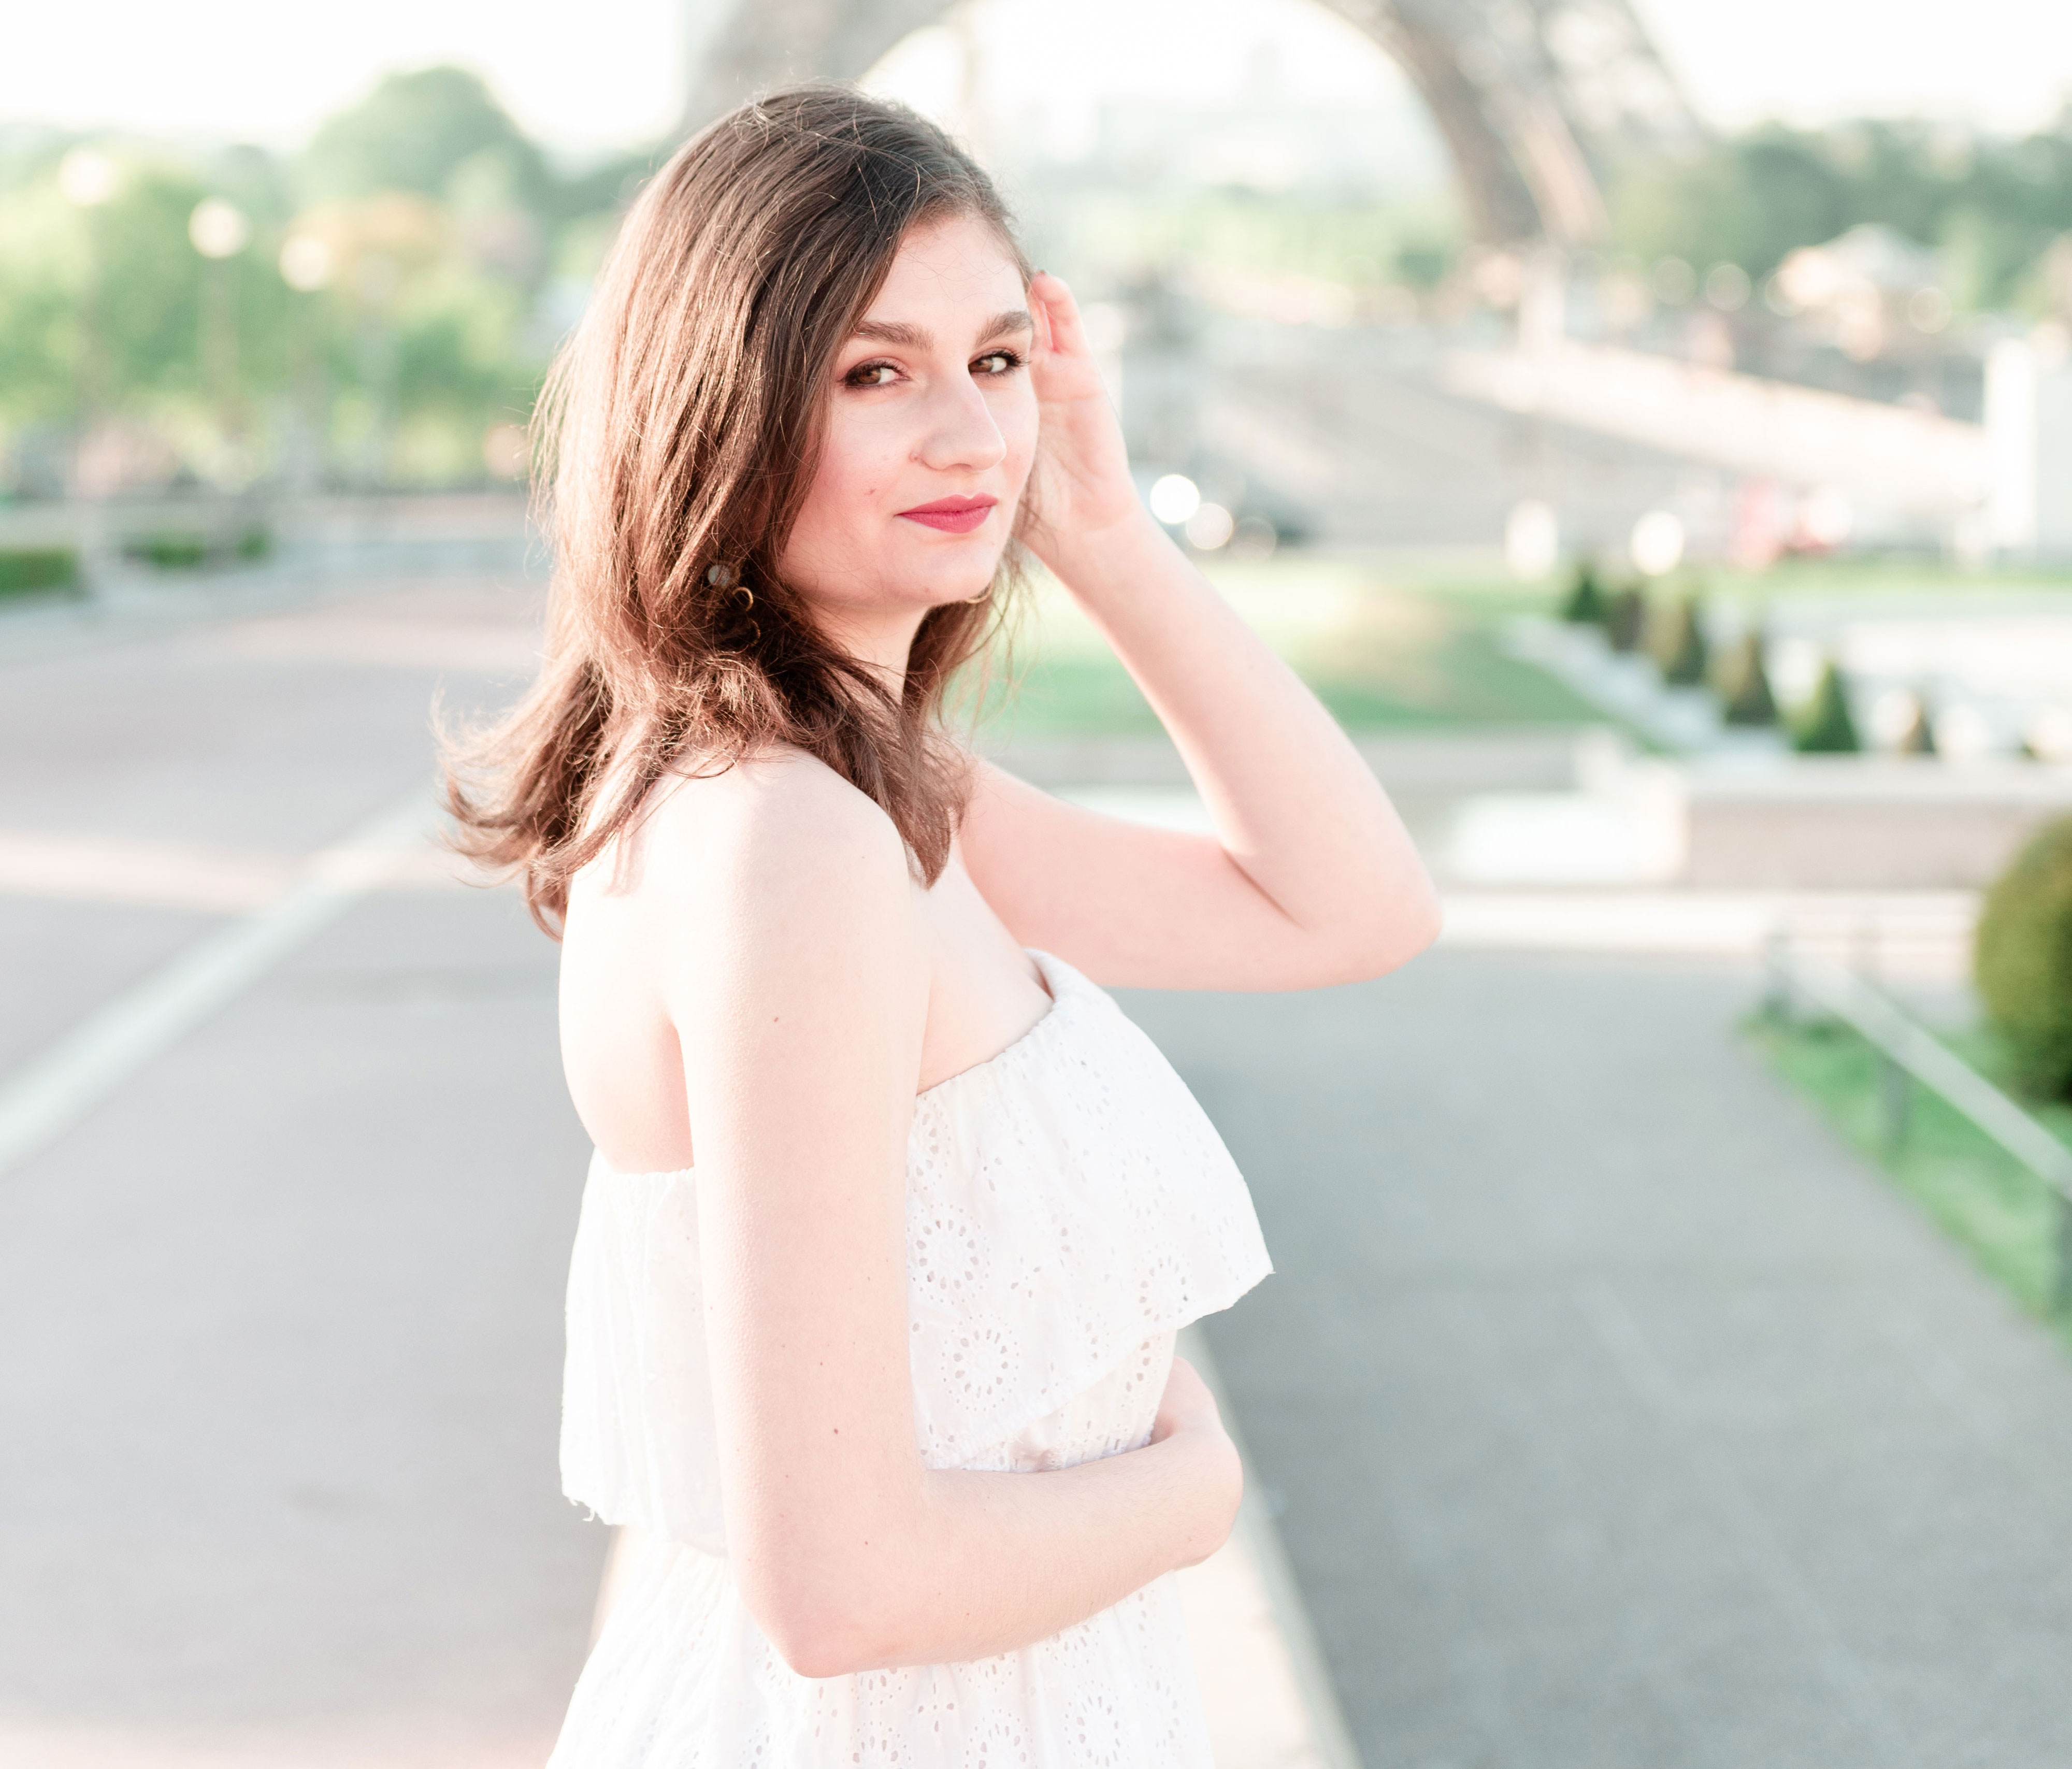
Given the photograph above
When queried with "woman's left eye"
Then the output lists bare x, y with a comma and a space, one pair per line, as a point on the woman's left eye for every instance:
998, 362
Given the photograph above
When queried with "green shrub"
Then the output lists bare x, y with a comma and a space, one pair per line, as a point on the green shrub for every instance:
169, 552
1828, 729
1744, 686
1627, 620
1679, 642
1585, 604
26, 570
181, 550
2021, 961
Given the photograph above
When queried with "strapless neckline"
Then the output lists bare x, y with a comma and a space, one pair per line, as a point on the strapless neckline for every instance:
1054, 973
1068, 1208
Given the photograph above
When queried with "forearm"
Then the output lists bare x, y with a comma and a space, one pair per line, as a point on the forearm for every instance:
1294, 805
997, 1561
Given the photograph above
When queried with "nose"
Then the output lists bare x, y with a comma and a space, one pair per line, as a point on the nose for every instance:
961, 433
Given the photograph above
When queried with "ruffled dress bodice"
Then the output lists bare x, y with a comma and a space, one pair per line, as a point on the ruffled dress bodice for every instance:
1069, 1207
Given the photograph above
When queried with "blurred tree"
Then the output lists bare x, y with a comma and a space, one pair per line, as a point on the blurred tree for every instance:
119, 283
1585, 602
413, 132
2022, 961
1627, 618
1828, 728
1744, 685
45, 265
1679, 642
1992, 207
1746, 200
437, 257
444, 223
254, 179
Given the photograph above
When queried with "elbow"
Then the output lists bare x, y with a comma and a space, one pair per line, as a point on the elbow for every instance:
819, 1633
816, 1652
1421, 927
1410, 922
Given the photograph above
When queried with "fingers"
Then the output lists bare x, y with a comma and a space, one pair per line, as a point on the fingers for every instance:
1058, 313
1040, 308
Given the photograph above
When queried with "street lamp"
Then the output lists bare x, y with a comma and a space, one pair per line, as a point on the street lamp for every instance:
306, 267
218, 228
219, 231
89, 179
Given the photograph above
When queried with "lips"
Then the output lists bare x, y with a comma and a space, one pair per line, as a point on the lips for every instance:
951, 515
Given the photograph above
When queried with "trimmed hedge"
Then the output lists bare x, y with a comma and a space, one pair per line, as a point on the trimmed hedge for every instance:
2021, 961
169, 552
24, 570
1828, 728
1679, 642
1626, 620
181, 550
1744, 686
1585, 604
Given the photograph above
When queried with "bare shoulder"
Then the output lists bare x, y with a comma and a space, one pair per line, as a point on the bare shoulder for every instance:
782, 918
778, 844
784, 811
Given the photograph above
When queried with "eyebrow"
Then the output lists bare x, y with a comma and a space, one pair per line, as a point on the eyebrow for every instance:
912, 337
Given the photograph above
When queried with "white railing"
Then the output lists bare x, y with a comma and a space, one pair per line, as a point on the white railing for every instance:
1910, 1055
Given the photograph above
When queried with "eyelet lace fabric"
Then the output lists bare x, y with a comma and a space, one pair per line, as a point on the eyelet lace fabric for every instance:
1069, 1207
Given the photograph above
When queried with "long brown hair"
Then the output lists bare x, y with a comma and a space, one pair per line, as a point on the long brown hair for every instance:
683, 421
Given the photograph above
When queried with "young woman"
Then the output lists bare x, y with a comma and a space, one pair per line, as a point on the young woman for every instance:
892, 1214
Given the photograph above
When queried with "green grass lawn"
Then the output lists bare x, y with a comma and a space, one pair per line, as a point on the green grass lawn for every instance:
1984, 1198
1876, 574
1391, 644
1382, 651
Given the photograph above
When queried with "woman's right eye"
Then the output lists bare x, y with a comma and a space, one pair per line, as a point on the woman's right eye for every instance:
871, 374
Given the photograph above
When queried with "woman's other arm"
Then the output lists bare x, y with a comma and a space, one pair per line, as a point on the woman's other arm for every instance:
797, 975
1310, 877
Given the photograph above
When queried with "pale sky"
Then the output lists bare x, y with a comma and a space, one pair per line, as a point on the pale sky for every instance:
611, 71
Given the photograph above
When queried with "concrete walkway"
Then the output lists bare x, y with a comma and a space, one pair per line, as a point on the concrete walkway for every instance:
288, 1177
1612, 1415
1617, 1418
281, 1313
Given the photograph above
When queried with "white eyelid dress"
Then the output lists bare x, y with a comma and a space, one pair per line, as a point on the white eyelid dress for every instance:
1069, 1207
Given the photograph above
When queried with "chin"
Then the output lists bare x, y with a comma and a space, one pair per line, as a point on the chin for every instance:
907, 576
940, 581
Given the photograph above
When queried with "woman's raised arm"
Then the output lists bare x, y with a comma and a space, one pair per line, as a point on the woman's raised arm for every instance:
796, 970
1310, 877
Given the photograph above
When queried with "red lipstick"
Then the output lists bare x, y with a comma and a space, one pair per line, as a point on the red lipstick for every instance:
952, 515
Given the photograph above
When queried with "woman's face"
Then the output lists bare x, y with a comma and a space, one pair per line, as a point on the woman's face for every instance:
931, 429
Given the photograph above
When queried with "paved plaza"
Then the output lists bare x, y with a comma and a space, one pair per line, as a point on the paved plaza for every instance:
1616, 1417
282, 1312
1612, 1415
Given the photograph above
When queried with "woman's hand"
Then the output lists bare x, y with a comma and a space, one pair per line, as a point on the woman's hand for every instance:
1187, 1411
1081, 483
1186, 1404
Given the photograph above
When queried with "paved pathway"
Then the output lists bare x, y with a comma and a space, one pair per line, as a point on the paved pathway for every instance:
281, 1304
281, 1316
1619, 1419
